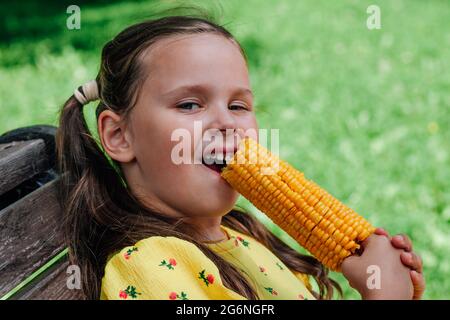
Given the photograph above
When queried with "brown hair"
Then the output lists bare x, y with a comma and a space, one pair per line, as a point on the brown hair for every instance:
99, 219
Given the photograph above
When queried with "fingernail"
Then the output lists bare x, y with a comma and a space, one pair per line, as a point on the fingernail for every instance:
408, 256
399, 238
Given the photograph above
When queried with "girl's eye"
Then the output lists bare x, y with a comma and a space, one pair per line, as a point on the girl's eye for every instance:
237, 107
189, 106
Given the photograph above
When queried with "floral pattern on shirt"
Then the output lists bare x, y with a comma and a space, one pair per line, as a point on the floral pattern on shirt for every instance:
263, 270
264, 266
170, 265
130, 291
244, 242
271, 291
128, 253
279, 266
207, 279
175, 296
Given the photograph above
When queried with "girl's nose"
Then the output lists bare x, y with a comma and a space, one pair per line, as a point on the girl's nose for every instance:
222, 118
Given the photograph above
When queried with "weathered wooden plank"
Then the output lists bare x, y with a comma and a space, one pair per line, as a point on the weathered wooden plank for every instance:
19, 161
40, 131
52, 285
29, 235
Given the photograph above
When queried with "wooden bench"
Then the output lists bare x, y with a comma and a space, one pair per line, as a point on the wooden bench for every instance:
33, 257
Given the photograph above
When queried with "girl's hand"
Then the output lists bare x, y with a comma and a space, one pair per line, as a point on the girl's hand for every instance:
379, 273
409, 259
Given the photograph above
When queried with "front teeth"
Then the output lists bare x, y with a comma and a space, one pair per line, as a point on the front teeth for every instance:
228, 158
217, 158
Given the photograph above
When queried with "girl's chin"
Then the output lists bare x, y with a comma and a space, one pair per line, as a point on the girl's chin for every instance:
217, 208
207, 186
216, 189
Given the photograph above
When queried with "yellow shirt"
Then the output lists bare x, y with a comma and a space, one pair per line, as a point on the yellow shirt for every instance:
165, 268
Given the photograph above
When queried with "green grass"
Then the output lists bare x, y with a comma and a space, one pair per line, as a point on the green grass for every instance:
363, 113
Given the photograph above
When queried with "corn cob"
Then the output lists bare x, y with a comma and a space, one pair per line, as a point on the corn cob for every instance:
324, 226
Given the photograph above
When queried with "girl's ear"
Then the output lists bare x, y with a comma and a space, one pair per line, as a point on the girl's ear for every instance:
114, 136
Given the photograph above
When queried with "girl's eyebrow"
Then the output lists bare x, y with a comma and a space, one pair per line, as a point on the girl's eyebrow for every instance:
202, 89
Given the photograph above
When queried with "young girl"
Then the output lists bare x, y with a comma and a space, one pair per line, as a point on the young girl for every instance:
147, 228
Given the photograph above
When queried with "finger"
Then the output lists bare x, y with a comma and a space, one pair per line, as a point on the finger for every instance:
418, 281
381, 232
412, 261
367, 241
401, 241
375, 240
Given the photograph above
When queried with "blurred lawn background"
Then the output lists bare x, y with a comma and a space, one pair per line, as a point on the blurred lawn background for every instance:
364, 113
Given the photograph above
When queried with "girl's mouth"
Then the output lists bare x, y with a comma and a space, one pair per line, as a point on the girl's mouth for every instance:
215, 162
217, 167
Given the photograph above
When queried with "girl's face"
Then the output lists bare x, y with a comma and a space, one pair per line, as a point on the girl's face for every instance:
191, 78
